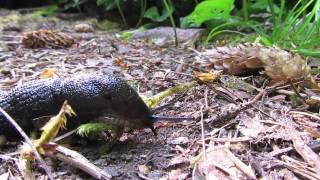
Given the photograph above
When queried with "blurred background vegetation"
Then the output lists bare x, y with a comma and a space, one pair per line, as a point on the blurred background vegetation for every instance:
289, 24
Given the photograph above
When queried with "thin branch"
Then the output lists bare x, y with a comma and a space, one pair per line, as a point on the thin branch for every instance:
28, 141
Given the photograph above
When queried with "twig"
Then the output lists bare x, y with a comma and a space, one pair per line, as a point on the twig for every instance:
279, 151
303, 165
286, 92
231, 140
302, 148
63, 136
143, 176
306, 114
10, 42
243, 167
315, 145
75, 159
203, 141
28, 141
298, 170
233, 111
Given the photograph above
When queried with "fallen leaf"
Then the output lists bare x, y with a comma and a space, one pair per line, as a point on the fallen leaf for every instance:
207, 77
177, 174
48, 73
216, 163
144, 169
120, 62
179, 141
251, 127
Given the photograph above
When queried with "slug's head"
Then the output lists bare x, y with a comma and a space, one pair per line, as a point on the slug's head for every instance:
120, 100
115, 98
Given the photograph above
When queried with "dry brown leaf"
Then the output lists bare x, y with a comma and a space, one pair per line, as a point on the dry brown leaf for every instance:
120, 62
251, 127
207, 77
233, 60
177, 174
216, 164
278, 64
177, 161
46, 38
314, 132
48, 73
143, 169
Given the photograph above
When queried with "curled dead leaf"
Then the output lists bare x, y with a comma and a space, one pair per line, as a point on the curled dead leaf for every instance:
207, 77
120, 62
278, 64
48, 73
144, 169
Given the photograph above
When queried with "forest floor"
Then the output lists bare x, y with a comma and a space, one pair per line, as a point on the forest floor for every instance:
256, 140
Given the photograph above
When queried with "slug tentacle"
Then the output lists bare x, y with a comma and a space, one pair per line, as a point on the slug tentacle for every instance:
166, 118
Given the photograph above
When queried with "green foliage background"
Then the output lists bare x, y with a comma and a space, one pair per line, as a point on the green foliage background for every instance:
289, 24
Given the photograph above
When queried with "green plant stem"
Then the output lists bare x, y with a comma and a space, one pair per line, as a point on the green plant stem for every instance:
143, 6
224, 31
270, 2
282, 10
245, 10
172, 21
215, 31
153, 101
121, 13
307, 52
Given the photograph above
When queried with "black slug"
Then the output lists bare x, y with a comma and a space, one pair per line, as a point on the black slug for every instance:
92, 96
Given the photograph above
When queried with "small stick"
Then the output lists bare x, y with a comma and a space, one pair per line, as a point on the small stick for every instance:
298, 170
240, 165
77, 160
203, 142
229, 140
28, 141
302, 148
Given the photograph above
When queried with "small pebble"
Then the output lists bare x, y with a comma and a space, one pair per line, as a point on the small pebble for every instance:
179, 141
5, 71
83, 28
143, 169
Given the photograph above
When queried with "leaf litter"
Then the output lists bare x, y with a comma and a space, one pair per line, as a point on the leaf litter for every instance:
246, 127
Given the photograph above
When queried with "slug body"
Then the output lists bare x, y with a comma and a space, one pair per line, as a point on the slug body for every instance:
91, 96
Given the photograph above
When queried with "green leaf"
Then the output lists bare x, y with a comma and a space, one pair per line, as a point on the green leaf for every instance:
264, 5
260, 4
89, 128
108, 4
101, 2
46, 11
153, 13
209, 10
